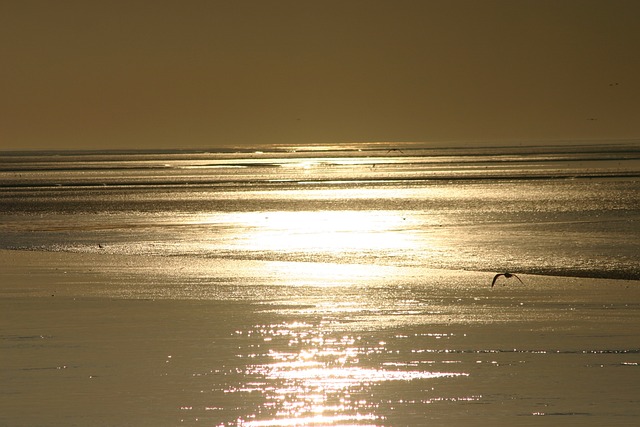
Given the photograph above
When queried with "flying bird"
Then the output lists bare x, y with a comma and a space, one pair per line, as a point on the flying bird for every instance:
507, 276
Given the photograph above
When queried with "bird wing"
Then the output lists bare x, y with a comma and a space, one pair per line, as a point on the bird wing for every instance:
496, 278
518, 278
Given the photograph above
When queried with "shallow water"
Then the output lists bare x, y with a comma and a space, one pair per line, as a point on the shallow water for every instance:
544, 210
327, 288
128, 344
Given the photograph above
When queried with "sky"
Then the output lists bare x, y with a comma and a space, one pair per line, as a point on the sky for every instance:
204, 74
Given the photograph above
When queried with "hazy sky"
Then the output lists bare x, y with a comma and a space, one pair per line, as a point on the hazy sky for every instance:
192, 74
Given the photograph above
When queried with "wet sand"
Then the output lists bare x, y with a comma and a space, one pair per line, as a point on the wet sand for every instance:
105, 340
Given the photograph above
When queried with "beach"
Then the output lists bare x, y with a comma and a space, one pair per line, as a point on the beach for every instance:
90, 339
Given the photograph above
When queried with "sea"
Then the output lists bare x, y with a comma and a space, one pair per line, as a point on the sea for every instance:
553, 210
347, 284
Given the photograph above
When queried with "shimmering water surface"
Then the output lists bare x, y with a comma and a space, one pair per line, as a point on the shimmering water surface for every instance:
321, 288
549, 210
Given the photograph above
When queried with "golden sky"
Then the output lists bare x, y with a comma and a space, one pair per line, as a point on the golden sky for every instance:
196, 74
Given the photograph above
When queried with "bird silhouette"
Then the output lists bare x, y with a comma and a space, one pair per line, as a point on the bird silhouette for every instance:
507, 276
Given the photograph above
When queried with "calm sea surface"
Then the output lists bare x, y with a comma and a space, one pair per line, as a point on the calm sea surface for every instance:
545, 210
321, 287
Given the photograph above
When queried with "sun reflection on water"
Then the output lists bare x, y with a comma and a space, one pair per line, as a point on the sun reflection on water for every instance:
315, 231
308, 376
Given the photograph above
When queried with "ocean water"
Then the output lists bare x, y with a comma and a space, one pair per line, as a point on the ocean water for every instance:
321, 286
569, 211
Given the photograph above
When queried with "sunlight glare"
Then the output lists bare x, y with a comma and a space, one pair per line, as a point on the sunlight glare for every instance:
320, 231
